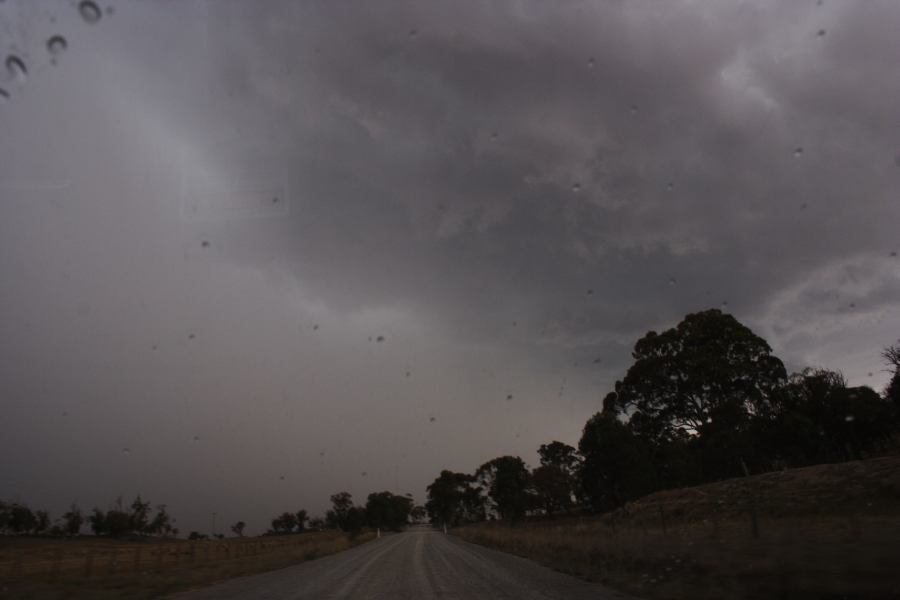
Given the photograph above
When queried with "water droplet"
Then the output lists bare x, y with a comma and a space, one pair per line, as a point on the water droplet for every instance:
431, 419
870, 373
205, 243
670, 186
724, 304
275, 200
853, 305
633, 109
315, 327
196, 438
363, 473
590, 292
804, 205
798, 151
126, 450
894, 254
413, 33
153, 347
672, 281
379, 339
408, 373
191, 336
591, 63
509, 396
15, 66
89, 11
110, 10
281, 478
65, 413
494, 136
849, 418
821, 33
576, 187
56, 45
321, 454
370, 338
597, 361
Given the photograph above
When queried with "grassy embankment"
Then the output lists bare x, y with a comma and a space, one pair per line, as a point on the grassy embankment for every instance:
87, 567
828, 531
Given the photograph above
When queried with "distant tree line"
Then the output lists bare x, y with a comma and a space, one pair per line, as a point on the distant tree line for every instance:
138, 519
703, 401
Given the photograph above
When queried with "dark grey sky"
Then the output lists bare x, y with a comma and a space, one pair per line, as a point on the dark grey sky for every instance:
207, 209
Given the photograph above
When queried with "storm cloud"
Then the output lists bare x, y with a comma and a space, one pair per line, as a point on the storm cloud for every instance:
257, 253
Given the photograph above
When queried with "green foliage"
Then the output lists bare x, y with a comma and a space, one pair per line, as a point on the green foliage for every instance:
19, 519
116, 522
618, 464
284, 523
507, 481
553, 488
302, 518
453, 499
72, 520
388, 511
238, 528
708, 369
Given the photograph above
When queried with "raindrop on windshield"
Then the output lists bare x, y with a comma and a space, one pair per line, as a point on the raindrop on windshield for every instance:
89, 11
191, 336
431, 419
205, 243
509, 396
379, 339
591, 63
15, 66
413, 33
494, 136
670, 186
126, 450
798, 151
363, 473
590, 292
56, 45
196, 438
576, 187
821, 33
408, 373
671, 281
315, 327
281, 477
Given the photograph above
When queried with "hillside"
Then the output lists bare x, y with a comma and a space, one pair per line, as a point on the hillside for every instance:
863, 487
823, 531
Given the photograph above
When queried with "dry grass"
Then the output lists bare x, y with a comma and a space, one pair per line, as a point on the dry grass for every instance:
81, 568
831, 531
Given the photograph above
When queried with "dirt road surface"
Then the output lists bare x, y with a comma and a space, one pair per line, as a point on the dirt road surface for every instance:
416, 565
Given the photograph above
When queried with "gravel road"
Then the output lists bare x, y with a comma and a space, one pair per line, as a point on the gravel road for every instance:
415, 565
